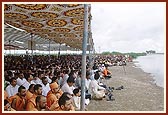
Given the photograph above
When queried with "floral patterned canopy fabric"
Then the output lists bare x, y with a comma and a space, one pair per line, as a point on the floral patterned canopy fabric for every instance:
15, 39
61, 23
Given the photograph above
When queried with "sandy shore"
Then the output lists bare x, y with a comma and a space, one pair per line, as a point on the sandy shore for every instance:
139, 93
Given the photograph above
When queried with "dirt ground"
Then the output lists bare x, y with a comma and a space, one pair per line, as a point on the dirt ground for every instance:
139, 93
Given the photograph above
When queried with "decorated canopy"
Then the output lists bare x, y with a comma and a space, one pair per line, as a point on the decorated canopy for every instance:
19, 40
58, 23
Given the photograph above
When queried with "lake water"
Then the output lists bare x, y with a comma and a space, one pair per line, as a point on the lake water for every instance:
154, 64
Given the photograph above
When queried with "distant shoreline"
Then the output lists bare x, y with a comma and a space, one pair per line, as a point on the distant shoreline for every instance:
156, 53
157, 72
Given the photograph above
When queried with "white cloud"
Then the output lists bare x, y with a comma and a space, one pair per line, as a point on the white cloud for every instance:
128, 27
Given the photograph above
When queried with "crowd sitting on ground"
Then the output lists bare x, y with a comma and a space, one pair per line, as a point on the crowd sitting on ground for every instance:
43, 83
113, 60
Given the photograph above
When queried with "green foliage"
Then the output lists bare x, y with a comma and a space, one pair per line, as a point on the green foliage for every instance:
116, 53
111, 53
135, 55
132, 54
106, 53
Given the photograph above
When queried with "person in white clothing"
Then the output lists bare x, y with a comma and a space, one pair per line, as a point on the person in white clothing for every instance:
21, 80
37, 77
68, 86
60, 81
76, 98
96, 91
45, 86
29, 81
92, 74
78, 80
47, 72
101, 67
12, 89
65, 77
58, 78
87, 80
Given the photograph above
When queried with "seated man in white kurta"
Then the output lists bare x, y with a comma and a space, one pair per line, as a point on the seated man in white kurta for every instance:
68, 87
21, 80
45, 86
12, 89
96, 91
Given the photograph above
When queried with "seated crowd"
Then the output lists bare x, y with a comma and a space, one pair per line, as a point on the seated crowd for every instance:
45, 83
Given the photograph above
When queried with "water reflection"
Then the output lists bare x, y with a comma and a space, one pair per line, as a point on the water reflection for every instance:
153, 64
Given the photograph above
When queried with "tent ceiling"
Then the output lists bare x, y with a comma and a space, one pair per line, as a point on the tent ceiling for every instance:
16, 39
60, 23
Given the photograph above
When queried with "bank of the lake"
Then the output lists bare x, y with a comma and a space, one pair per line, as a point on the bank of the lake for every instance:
153, 64
139, 93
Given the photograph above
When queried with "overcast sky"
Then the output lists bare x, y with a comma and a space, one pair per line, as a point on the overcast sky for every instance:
128, 27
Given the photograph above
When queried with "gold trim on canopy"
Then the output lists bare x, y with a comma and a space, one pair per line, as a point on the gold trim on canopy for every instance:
62, 23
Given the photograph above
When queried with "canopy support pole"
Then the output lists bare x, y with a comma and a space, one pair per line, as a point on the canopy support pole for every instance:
84, 47
59, 51
49, 49
31, 45
90, 47
9, 47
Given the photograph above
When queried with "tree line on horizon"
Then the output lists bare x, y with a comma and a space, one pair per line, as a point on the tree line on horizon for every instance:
132, 54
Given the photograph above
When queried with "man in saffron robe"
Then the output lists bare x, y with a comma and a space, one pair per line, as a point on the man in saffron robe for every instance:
18, 101
53, 95
30, 92
41, 103
31, 104
106, 72
5, 95
7, 106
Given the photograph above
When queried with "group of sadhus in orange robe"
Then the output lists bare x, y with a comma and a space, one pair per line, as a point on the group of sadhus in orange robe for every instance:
25, 100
